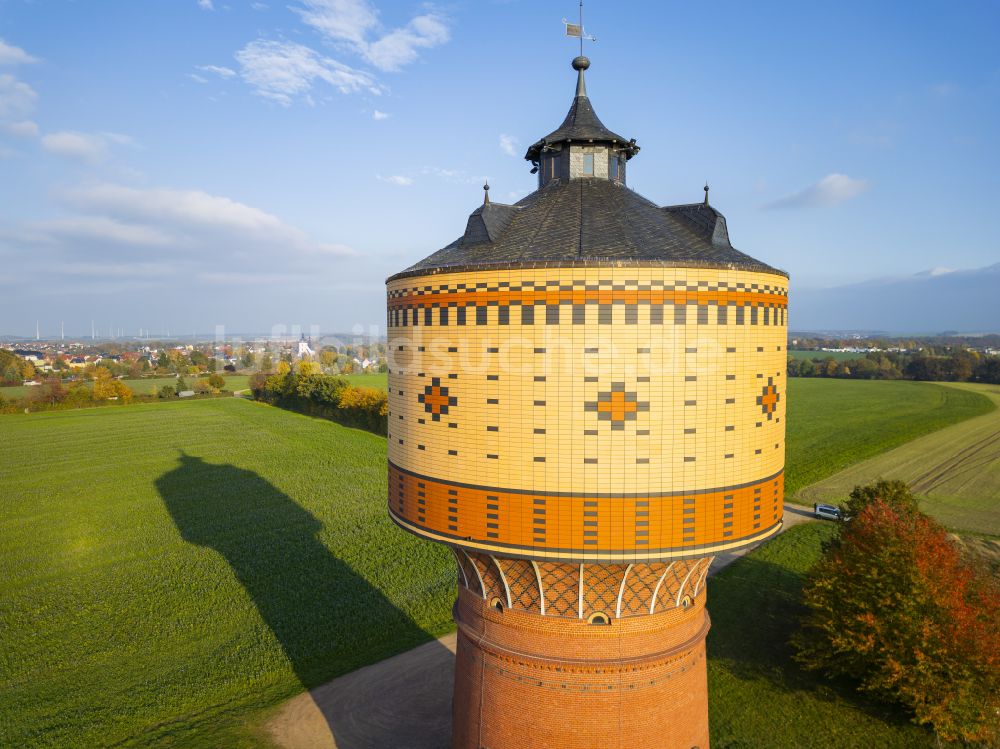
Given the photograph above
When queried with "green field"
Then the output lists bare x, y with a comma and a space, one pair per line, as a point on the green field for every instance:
380, 381
172, 571
152, 385
835, 355
954, 471
758, 697
145, 386
835, 423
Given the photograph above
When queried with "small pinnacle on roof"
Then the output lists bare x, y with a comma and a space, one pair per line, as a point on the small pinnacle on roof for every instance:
486, 193
706, 193
580, 64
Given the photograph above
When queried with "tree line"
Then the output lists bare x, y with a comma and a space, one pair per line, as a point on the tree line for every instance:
962, 365
331, 397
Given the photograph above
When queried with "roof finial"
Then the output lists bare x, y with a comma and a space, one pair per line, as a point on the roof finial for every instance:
486, 193
706, 193
580, 64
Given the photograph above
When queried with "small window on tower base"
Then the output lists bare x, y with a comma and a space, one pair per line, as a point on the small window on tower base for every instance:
588, 165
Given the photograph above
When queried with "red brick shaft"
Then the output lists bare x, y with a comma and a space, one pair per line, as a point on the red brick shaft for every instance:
525, 681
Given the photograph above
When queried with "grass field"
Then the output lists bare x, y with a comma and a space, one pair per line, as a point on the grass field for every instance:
172, 571
758, 697
144, 386
955, 471
234, 382
376, 380
835, 355
833, 424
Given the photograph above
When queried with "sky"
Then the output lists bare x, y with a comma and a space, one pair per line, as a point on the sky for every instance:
186, 164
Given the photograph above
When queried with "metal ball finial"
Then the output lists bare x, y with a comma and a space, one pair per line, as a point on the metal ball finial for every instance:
706, 193
581, 63
486, 192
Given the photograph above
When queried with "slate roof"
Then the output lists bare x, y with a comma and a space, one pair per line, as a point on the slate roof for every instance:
582, 123
589, 221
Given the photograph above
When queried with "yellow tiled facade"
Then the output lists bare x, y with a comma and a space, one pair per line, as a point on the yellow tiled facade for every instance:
590, 414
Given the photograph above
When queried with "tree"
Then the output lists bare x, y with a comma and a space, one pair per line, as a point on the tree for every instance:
49, 392
893, 606
307, 368
216, 381
79, 395
181, 386
103, 388
284, 368
894, 493
266, 363
167, 391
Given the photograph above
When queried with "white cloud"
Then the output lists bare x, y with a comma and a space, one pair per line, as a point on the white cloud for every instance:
190, 213
218, 70
397, 179
11, 55
89, 147
829, 191
22, 129
508, 144
73, 145
399, 47
197, 78
341, 20
282, 71
106, 230
377, 115
206, 5
259, 6
355, 23
17, 99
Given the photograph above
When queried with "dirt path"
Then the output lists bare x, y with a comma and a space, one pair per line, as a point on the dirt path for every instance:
403, 702
955, 471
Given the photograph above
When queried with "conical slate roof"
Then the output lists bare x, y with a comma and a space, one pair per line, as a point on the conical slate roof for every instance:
588, 221
582, 125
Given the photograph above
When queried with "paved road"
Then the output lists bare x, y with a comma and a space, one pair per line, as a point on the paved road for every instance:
403, 702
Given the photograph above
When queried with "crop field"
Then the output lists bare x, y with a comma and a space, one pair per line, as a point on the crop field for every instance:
758, 697
833, 424
169, 569
954, 471
173, 571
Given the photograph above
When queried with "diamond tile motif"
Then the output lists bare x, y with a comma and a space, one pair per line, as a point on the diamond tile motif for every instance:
768, 399
617, 406
436, 399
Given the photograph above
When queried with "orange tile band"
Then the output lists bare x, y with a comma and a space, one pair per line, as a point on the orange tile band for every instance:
591, 296
592, 528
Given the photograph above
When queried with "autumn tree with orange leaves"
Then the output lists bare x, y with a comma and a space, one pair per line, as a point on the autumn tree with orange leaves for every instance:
894, 606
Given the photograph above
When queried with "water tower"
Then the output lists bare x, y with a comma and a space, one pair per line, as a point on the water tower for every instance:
587, 403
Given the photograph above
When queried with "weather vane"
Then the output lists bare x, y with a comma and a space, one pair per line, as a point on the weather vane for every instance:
577, 30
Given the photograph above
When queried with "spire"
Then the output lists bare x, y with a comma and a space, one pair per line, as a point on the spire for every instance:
581, 124
706, 193
580, 64
486, 193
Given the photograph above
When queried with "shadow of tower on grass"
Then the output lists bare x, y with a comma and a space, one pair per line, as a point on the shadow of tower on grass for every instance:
327, 618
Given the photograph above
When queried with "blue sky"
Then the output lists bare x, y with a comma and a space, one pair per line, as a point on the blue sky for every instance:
190, 163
